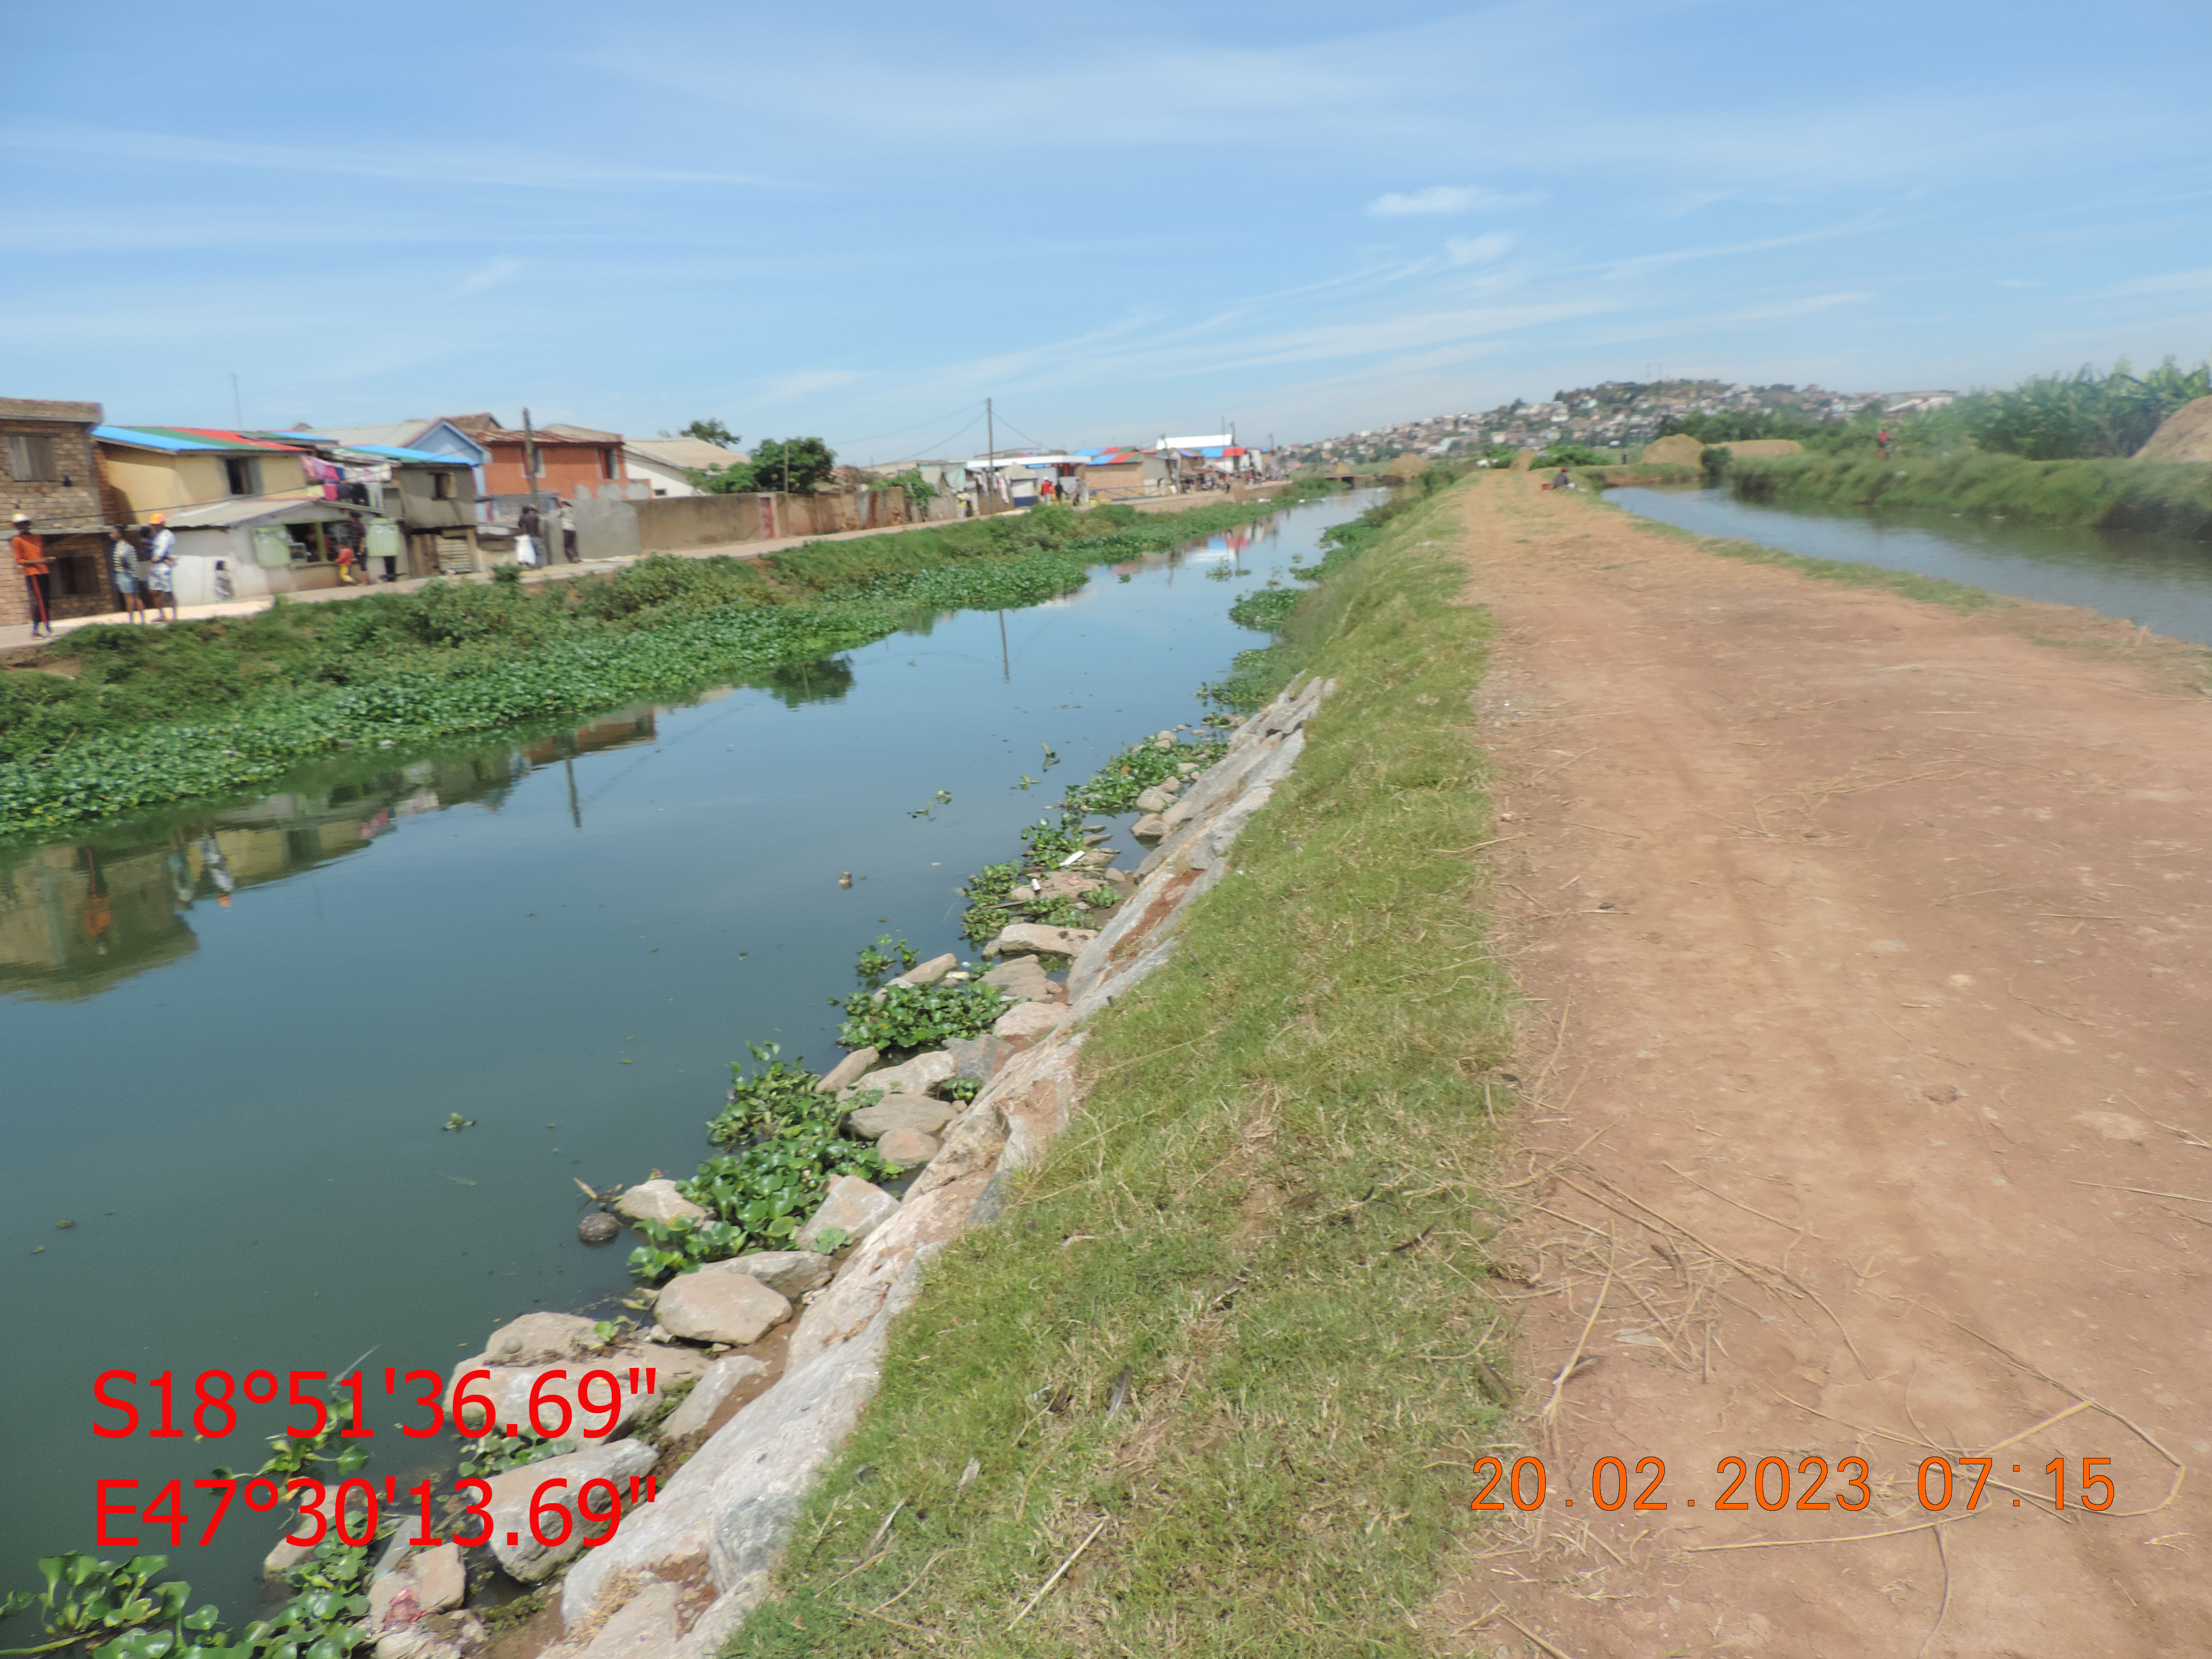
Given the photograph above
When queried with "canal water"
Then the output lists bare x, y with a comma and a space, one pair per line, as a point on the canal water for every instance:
2163, 582
229, 1039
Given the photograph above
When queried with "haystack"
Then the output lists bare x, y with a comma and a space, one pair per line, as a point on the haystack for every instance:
1406, 466
2183, 436
1679, 450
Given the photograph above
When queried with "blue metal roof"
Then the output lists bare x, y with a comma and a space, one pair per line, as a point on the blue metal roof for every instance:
420, 457
167, 442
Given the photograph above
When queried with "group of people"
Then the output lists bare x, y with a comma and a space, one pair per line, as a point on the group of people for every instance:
146, 568
530, 533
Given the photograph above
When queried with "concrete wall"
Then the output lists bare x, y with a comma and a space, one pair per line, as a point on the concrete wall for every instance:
679, 524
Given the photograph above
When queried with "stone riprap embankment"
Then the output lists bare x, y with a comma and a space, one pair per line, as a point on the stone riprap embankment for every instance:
681, 1575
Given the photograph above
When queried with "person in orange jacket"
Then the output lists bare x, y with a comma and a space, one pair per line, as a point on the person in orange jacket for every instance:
30, 549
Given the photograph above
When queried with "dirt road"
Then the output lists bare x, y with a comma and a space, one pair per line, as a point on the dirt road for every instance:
1869, 1057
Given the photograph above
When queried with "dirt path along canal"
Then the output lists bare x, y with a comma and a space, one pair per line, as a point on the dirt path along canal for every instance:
1871, 1111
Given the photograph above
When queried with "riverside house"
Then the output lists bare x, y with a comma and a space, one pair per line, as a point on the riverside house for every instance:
48, 469
561, 461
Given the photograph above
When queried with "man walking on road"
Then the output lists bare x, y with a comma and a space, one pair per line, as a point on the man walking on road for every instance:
161, 566
30, 551
568, 522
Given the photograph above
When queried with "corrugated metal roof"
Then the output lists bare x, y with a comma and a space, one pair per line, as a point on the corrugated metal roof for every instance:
184, 439
420, 457
251, 509
397, 434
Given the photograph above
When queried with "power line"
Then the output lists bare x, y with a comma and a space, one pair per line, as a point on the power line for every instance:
939, 444
855, 443
1018, 433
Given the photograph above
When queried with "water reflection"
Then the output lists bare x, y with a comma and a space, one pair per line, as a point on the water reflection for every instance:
799, 682
77, 919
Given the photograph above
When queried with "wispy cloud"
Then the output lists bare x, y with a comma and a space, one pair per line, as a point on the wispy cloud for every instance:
491, 274
2173, 281
1477, 250
474, 165
1447, 198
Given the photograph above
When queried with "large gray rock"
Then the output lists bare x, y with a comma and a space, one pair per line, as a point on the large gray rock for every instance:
857, 1206
440, 1580
285, 1556
1154, 799
909, 1149
793, 1272
538, 1336
525, 1557
928, 973
734, 1501
658, 1200
912, 1112
972, 1143
1152, 827
1037, 938
393, 1602
509, 1388
723, 1378
1022, 978
917, 1076
1020, 1027
646, 1626
846, 1071
976, 1058
720, 1302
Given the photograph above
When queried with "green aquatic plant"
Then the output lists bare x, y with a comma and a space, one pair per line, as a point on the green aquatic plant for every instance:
111, 720
908, 1018
1143, 765
775, 1094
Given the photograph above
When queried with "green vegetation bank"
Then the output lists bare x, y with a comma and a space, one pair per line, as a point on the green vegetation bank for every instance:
113, 719
1227, 1331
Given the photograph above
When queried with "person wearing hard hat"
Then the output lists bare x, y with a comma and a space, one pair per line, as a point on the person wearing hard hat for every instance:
159, 562
30, 549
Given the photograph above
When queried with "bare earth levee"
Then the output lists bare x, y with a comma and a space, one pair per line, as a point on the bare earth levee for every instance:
1868, 1107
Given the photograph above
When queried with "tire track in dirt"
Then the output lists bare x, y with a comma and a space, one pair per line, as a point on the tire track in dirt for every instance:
1867, 1054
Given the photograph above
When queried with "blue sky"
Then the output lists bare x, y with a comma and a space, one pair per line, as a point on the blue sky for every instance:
860, 221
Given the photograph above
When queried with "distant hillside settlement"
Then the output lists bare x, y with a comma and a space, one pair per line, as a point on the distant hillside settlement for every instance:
1614, 414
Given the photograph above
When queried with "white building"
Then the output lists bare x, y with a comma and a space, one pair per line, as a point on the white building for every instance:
668, 464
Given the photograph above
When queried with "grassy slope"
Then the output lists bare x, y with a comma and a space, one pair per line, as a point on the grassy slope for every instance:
2113, 495
1269, 1212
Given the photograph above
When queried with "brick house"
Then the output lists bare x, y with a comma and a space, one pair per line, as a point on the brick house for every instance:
48, 469
568, 457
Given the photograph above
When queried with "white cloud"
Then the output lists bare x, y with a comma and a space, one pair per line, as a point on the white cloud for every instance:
491, 274
1476, 250
1447, 198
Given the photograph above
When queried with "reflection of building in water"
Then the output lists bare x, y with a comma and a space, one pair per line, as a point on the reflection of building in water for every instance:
75, 918
625, 727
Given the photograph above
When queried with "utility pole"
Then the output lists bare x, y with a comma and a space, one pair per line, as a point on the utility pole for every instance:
529, 457
237, 406
991, 446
